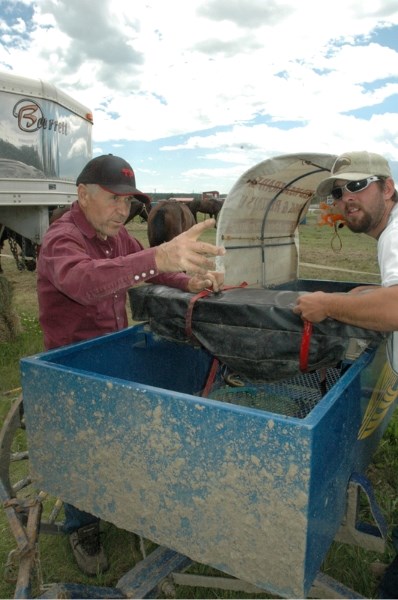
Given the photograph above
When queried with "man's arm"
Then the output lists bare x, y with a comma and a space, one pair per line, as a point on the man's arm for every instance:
375, 309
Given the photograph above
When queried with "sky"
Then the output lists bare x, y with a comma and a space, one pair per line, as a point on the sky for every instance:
194, 92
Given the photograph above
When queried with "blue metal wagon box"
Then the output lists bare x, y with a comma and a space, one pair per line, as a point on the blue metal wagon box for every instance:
117, 426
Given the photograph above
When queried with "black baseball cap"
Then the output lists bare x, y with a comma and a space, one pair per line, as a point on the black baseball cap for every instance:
113, 174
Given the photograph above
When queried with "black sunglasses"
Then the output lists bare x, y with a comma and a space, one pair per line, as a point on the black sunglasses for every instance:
353, 187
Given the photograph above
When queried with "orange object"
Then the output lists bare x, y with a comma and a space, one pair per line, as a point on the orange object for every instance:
329, 216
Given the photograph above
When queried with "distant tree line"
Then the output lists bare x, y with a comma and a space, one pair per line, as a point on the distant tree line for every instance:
166, 195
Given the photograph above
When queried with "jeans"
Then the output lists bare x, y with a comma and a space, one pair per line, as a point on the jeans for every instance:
75, 518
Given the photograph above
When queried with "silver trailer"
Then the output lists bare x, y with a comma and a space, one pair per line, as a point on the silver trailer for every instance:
45, 140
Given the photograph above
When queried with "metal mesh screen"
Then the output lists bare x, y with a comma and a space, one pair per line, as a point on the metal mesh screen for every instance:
294, 397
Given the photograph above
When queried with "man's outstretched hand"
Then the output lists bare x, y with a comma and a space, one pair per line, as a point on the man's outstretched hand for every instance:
186, 253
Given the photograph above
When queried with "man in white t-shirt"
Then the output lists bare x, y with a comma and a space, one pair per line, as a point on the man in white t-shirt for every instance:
363, 191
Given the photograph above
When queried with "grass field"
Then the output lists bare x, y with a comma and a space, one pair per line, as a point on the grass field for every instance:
322, 256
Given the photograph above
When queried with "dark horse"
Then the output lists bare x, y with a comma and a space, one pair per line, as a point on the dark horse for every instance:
209, 206
168, 219
138, 209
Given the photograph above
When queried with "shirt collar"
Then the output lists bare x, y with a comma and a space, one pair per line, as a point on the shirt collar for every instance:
81, 222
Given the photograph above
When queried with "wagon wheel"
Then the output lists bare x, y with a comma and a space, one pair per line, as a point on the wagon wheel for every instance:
20, 498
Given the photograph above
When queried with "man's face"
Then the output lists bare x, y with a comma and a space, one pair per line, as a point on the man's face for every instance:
365, 211
106, 211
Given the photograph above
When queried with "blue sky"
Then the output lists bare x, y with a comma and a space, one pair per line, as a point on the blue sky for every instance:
193, 93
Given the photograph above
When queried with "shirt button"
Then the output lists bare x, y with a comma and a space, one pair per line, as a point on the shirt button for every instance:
136, 277
143, 275
152, 272
115, 295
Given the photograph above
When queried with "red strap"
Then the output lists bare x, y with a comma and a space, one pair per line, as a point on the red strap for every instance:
211, 377
305, 346
188, 315
188, 330
203, 294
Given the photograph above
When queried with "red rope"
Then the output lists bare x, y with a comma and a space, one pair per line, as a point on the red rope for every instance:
188, 330
305, 346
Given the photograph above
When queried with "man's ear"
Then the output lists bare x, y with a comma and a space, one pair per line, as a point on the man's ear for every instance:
82, 193
389, 187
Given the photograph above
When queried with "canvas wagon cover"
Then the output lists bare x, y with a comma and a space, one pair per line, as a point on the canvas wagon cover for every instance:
259, 219
252, 331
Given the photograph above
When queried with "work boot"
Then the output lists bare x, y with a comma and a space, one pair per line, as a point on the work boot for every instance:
87, 549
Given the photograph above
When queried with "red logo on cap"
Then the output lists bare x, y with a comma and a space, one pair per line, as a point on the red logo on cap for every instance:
127, 172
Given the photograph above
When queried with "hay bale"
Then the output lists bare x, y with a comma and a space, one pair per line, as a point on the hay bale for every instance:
10, 325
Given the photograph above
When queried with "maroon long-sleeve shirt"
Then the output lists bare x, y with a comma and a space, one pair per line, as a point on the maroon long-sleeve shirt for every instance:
82, 280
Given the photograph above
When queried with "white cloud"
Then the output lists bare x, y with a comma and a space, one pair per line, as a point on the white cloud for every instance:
170, 68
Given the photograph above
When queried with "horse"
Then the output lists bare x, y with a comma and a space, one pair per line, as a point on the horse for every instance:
168, 219
210, 206
139, 209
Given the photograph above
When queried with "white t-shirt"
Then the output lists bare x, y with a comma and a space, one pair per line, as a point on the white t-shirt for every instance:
387, 254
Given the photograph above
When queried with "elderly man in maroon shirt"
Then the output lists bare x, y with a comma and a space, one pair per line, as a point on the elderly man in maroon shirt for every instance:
86, 264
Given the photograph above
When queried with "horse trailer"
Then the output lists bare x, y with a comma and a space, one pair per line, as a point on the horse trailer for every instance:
45, 140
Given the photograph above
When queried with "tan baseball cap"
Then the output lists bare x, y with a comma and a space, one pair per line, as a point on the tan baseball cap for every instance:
353, 166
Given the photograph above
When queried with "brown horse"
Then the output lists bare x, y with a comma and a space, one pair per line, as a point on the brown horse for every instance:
209, 206
168, 219
138, 209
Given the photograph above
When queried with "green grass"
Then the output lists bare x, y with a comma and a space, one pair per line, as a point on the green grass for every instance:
347, 564
29, 342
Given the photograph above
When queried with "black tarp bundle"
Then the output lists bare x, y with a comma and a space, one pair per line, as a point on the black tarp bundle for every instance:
254, 332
